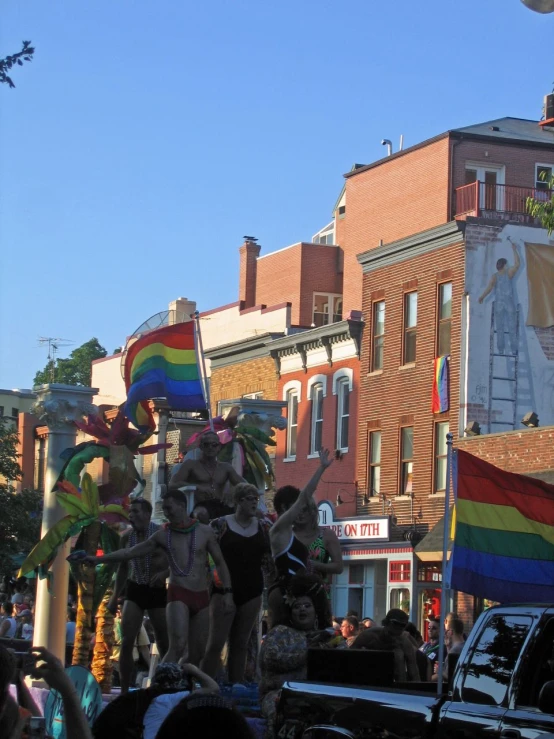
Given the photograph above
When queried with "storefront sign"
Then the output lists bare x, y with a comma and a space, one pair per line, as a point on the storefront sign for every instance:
374, 528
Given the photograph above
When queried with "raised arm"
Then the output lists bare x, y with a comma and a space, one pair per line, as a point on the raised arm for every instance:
287, 519
124, 555
517, 262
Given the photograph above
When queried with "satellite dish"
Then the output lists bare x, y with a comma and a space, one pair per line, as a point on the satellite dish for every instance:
540, 6
158, 320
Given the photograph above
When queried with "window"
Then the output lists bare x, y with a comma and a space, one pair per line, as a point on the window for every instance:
374, 457
356, 574
326, 235
400, 571
400, 598
15, 412
441, 450
292, 422
410, 327
445, 319
406, 459
378, 339
316, 436
543, 175
343, 413
342, 210
327, 309
499, 645
254, 396
1, 411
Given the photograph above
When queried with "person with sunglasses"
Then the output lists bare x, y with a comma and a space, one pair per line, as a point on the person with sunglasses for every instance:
392, 637
244, 541
209, 475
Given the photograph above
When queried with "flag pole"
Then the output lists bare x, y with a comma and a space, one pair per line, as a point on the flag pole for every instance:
445, 589
203, 378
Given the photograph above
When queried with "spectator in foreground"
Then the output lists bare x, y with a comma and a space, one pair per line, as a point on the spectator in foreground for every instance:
392, 636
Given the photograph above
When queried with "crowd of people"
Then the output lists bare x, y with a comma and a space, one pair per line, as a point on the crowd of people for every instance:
218, 561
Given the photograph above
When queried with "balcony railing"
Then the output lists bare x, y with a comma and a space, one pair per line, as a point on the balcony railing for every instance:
480, 197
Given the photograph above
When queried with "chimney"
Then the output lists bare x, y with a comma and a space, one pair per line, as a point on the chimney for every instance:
249, 252
181, 310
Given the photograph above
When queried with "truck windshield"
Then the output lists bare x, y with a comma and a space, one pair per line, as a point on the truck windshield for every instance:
493, 661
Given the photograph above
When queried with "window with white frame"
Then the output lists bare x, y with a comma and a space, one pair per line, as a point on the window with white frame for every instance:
406, 460
327, 309
378, 336
316, 434
543, 175
410, 327
441, 450
343, 413
374, 464
292, 422
254, 396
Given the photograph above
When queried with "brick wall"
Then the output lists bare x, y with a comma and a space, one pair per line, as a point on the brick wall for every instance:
294, 274
243, 378
341, 475
401, 396
396, 198
522, 451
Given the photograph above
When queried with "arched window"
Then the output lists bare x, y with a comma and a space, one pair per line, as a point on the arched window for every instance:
316, 434
291, 395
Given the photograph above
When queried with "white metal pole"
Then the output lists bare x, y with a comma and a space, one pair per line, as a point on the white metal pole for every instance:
203, 377
445, 590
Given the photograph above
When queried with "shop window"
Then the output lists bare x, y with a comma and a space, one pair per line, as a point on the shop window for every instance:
400, 598
406, 460
378, 336
374, 457
444, 314
410, 328
429, 573
356, 574
400, 571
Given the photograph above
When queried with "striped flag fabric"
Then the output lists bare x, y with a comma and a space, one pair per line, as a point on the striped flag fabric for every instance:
163, 364
504, 534
440, 402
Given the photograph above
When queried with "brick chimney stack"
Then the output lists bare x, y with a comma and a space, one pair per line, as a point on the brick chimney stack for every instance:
249, 252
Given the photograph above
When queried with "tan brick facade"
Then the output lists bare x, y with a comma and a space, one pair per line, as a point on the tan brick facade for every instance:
242, 378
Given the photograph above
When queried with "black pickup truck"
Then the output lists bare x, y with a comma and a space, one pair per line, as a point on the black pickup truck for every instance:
502, 686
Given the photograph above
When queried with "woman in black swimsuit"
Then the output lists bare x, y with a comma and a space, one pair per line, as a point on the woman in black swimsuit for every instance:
244, 541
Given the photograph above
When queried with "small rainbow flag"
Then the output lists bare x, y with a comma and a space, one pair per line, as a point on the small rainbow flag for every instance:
504, 538
163, 364
440, 402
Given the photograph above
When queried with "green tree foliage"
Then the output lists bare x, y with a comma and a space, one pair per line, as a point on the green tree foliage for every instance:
6, 64
76, 369
21, 516
543, 208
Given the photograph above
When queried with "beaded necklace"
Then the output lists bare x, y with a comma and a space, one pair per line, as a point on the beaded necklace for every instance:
192, 551
141, 576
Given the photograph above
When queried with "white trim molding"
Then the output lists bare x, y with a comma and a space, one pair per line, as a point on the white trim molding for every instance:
316, 380
292, 385
339, 374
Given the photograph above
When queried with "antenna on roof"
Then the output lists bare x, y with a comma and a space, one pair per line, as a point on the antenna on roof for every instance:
53, 345
250, 238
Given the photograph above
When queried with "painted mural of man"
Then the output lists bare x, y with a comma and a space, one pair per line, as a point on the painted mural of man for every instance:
505, 309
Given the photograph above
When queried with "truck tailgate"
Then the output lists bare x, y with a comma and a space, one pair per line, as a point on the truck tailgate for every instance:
367, 712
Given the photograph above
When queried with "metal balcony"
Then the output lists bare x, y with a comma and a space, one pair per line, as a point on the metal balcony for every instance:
484, 199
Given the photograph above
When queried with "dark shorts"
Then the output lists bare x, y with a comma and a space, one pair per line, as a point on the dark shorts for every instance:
145, 597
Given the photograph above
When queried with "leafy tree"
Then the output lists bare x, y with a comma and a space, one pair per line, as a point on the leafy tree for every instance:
25, 55
76, 369
21, 517
543, 209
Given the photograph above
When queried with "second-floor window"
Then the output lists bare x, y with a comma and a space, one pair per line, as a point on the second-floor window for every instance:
406, 460
327, 309
292, 422
374, 466
444, 327
378, 337
343, 413
410, 327
441, 429
543, 175
316, 435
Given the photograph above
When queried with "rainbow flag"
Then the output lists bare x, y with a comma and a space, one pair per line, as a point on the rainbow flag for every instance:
440, 402
163, 364
504, 537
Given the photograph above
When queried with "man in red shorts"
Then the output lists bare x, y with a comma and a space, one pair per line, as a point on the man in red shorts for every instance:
186, 543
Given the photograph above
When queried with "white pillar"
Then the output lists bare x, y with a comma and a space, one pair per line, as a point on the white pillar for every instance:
57, 407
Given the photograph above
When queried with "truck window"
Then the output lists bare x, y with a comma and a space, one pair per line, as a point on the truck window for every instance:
493, 660
538, 667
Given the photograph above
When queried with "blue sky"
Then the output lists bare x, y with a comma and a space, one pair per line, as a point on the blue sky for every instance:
147, 138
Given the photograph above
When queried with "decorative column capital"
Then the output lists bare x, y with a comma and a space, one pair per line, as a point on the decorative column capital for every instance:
59, 406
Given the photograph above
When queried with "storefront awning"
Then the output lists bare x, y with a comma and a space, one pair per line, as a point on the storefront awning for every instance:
430, 547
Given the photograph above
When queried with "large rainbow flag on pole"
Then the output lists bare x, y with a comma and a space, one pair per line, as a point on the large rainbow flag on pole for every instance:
163, 364
504, 534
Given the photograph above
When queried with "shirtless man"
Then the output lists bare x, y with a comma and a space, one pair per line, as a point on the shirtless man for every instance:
209, 476
145, 580
186, 543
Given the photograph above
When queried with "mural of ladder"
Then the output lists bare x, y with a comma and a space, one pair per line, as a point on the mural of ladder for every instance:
503, 384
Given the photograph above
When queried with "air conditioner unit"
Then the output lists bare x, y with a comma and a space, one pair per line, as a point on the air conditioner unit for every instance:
549, 107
